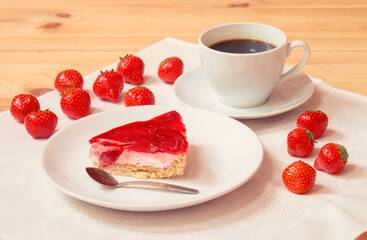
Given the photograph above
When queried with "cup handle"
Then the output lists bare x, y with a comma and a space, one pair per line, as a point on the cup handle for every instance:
299, 66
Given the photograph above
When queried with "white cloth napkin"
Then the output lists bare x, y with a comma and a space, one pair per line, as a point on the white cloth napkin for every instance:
262, 208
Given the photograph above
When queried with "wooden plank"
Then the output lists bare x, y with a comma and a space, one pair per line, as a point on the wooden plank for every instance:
89, 34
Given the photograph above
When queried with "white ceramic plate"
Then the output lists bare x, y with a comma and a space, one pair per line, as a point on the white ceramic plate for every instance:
193, 89
223, 154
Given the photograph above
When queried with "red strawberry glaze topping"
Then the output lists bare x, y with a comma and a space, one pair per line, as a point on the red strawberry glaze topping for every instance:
165, 133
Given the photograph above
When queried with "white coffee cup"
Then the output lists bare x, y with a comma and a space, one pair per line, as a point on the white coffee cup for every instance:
244, 80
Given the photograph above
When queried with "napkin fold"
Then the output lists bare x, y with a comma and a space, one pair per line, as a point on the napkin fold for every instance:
262, 208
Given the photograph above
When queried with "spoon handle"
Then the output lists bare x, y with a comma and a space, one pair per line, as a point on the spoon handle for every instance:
166, 186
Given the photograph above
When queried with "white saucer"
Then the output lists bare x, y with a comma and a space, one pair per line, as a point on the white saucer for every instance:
193, 89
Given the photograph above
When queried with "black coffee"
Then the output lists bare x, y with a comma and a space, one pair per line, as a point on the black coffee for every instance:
242, 46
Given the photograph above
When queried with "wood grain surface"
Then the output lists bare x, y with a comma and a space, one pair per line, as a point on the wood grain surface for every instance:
40, 38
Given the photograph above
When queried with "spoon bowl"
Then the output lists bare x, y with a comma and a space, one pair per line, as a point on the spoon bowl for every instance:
108, 180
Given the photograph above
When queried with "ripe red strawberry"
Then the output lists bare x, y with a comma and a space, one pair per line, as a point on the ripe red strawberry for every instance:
41, 124
300, 142
132, 69
314, 121
68, 78
108, 85
299, 177
332, 158
75, 103
139, 96
22, 104
170, 69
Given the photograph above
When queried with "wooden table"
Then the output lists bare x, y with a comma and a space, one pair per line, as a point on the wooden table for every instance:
38, 39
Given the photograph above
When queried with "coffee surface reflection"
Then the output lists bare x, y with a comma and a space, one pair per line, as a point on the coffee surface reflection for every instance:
242, 46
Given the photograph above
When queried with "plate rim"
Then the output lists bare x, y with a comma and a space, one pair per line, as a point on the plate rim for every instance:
244, 116
160, 207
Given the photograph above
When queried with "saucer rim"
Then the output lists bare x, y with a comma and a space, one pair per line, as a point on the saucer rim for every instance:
245, 116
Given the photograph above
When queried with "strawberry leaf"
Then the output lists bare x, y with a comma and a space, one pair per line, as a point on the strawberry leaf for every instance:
310, 135
66, 90
126, 56
164, 60
343, 152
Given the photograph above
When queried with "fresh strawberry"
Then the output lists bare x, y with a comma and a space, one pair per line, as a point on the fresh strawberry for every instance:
170, 69
68, 78
132, 69
332, 158
75, 103
108, 85
22, 104
299, 177
314, 121
300, 142
139, 96
41, 124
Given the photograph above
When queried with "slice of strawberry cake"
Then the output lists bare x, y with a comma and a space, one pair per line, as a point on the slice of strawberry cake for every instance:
156, 148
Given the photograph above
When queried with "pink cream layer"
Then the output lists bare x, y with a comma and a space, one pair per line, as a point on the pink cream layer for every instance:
158, 159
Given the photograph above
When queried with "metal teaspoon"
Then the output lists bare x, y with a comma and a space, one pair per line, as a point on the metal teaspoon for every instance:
108, 180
